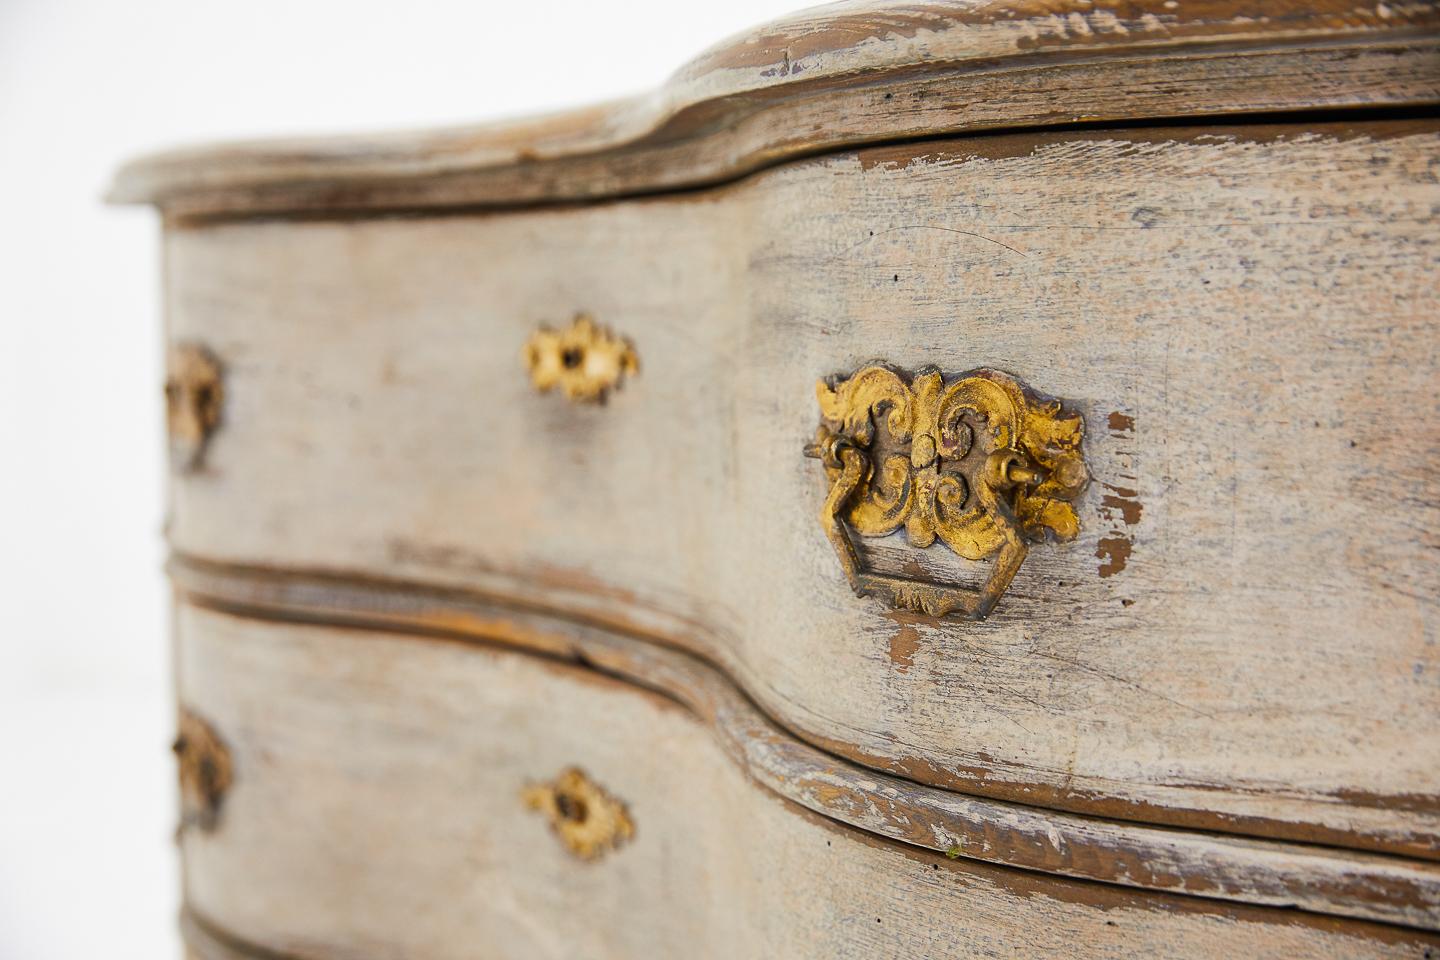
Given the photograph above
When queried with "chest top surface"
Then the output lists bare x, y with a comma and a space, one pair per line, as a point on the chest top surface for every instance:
839, 76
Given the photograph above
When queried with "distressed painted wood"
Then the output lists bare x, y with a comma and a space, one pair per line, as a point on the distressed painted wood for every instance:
1317, 879
377, 810
841, 75
1242, 638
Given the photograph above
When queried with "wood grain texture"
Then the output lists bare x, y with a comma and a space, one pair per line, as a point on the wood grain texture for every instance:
377, 811
842, 75
1316, 879
1244, 636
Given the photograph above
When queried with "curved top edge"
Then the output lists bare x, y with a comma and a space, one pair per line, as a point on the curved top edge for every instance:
738, 105
854, 35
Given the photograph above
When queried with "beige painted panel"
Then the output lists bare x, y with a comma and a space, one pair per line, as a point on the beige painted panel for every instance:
1247, 320
1317, 879
375, 811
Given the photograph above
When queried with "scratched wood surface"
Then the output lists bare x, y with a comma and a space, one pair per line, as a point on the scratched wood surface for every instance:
1318, 879
376, 810
844, 74
1242, 638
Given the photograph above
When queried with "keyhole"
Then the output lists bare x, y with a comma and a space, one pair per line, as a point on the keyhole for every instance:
570, 807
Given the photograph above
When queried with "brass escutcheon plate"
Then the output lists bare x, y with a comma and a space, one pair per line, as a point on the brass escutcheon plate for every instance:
585, 360
586, 819
194, 396
205, 770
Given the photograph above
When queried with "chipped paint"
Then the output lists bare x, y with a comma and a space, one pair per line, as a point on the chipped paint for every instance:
1121, 500
903, 644
1113, 553
1120, 506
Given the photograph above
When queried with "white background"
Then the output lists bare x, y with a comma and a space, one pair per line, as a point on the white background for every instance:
86, 781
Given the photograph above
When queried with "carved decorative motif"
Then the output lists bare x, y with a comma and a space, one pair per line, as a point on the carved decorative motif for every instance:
977, 462
587, 820
193, 398
205, 771
585, 360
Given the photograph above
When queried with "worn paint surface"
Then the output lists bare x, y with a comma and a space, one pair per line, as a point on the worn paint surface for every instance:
1263, 662
790, 89
386, 770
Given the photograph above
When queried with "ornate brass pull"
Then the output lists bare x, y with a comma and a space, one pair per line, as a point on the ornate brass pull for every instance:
978, 462
193, 398
205, 771
585, 360
587, 820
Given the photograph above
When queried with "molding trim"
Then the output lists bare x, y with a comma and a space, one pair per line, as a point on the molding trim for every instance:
1317, 879
831, 79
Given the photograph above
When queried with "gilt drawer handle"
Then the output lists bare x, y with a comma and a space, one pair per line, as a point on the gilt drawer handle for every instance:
978, 462
193, 398
205, 771
586, 819
585, 360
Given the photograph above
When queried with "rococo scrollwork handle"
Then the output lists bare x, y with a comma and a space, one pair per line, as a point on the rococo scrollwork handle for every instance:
194, 398
977, 462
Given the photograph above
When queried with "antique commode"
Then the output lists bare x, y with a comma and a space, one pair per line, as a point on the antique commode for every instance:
933, 480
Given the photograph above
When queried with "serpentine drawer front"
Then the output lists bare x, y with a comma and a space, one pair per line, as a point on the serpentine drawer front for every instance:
926, 548
397, 796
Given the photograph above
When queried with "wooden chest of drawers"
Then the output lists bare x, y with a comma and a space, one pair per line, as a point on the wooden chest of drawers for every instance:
949, 480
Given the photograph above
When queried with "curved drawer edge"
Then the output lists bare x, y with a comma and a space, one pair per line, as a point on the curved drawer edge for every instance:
206, 939
425, 606
1317, 879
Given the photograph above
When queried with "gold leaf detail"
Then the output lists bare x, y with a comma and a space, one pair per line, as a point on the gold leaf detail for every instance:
977, 462
193, 399
588, 821
205, 771
585, 360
